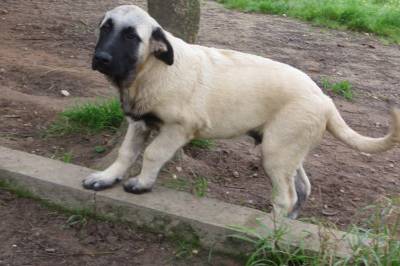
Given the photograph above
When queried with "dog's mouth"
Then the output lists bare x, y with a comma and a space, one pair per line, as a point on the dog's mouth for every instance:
122, 75
121, 81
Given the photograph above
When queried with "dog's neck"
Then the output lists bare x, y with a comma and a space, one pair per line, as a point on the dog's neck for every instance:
140, 94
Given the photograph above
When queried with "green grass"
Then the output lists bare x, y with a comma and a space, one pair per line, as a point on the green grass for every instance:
177, 184
342, 88
383, 249
67, 157
381, 17
186, 249
89, 118
206, 144
200, 186
100, 149
384, 232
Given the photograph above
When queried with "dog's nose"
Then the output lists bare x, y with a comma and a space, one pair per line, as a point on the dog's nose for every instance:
103, 58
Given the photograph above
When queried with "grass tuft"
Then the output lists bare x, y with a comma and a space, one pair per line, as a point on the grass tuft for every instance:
381, 17
67, 157
200, 186
379, 244
342, 88
88, 118
206, 144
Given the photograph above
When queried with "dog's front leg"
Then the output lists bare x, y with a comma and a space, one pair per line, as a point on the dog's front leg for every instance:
163, 147
129, 151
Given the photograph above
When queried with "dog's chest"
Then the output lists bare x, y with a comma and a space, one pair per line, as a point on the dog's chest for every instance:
139, 108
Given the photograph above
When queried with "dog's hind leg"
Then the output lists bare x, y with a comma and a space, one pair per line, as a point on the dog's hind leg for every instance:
303, 190
129, 151
286, 142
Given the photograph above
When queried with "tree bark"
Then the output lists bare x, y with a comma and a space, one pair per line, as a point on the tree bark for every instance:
180, 17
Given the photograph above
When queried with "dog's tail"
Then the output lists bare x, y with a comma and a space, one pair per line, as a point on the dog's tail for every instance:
338, 128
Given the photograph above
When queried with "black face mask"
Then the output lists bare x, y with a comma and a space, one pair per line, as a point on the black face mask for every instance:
116, 52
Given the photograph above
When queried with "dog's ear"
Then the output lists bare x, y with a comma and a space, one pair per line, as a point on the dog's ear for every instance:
161, 47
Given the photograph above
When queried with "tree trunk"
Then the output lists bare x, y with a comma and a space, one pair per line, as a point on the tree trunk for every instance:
180, 17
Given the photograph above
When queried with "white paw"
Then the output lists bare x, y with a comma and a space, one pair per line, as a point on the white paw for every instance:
133, 185
99, 181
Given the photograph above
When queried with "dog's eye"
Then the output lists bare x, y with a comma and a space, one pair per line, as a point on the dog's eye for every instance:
106, 27
131, 36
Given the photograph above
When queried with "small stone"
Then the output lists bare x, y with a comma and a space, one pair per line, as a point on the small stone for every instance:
255, 175
236, 174
2, 70
316, 155
227, 192
174, 176
14, 246
325, 206
251, 201
391, 165
366, 154
50, 250
342, 190
179, 169
195, 251
65, 93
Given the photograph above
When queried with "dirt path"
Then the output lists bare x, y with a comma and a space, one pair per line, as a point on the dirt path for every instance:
45, 46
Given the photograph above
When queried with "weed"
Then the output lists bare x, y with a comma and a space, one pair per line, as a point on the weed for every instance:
99, 149
67, 157
88, 118
268, 248
381, 17
377, 245
200, 186
186, 249
177, 184
206, 144
76, 220
342, 88
380, 244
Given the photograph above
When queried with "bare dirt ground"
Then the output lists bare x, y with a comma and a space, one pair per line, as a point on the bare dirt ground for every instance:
34, 235
46, 45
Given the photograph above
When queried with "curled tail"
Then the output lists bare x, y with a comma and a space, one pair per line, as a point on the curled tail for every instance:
338, 128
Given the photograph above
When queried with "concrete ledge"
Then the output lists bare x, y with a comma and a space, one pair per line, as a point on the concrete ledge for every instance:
163, 210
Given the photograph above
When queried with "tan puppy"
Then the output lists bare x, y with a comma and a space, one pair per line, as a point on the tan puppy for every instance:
189, 91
